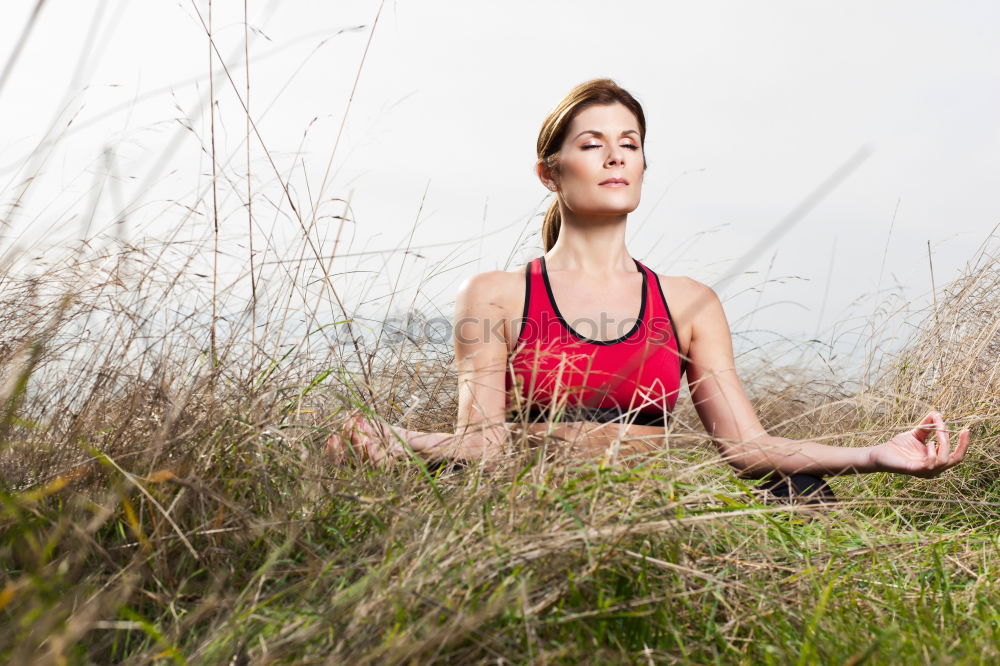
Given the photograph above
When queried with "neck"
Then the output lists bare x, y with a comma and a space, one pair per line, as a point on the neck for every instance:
591, 244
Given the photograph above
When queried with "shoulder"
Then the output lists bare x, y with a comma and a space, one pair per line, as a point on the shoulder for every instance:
682, 286
687, 296
695, 309
495, 282
494, 289
482, 281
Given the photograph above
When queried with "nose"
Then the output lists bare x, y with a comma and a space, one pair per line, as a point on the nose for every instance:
616, 156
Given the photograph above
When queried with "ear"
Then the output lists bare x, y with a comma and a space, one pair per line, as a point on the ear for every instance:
546, 175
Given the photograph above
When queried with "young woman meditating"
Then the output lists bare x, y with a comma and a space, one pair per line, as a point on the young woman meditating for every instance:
582, 337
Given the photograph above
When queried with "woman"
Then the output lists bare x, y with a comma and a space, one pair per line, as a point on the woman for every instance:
519, 334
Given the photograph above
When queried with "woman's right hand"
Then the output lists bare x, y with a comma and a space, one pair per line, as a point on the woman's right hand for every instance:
363, 440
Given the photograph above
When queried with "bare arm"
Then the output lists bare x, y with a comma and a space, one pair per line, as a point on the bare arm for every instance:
480, 359
732, 422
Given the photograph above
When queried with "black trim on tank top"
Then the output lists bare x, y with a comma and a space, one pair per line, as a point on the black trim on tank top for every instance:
555, 307
537, 414
677, 338
527, 296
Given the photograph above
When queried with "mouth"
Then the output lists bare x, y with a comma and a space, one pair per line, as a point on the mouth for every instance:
614, 182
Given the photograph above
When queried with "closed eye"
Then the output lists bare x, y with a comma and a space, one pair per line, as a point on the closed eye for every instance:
630, 146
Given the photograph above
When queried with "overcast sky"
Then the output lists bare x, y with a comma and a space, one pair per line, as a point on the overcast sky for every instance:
749, 106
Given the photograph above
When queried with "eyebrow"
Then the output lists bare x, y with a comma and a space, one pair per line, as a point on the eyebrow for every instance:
601, 134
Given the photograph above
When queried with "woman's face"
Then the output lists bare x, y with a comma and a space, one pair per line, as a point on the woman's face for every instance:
601, 162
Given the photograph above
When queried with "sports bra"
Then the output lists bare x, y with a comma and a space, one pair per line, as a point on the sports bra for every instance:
555, 372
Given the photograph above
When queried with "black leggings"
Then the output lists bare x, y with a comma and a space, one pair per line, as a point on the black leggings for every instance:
797, 488
786, 489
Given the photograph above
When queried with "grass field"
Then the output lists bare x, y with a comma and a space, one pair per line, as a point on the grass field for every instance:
159, 506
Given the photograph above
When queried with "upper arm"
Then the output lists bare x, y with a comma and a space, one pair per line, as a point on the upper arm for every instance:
716, 390
481, 350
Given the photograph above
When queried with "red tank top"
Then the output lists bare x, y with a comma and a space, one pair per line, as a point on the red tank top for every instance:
556, 371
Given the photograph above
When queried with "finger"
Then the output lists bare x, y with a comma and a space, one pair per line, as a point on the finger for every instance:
963, 443
360, 438
931, 437
373, 453
335, 447
944, 446
356, 436
924, 427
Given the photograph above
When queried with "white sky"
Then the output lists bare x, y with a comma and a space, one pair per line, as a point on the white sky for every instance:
749, 106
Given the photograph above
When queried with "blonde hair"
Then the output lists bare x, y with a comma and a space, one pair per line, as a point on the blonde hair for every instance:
556, 124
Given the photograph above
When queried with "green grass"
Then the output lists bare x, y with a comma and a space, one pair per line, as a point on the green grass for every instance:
564, 565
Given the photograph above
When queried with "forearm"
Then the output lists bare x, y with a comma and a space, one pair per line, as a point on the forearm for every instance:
579, 440
791, 456
752, 458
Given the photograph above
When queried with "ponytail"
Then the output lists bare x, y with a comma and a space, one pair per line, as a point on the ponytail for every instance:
551, 224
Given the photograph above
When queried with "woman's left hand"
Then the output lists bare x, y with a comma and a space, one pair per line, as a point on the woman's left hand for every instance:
923, 451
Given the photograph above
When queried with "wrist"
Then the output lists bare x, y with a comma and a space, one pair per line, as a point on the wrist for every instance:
869, 460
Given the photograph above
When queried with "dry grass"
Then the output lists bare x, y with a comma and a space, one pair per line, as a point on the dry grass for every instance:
159, 506
163, 496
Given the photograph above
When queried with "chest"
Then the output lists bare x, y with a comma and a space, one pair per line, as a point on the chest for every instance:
598, 311
594, 310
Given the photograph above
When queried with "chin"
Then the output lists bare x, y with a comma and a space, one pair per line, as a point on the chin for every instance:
606, 205
610, 209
